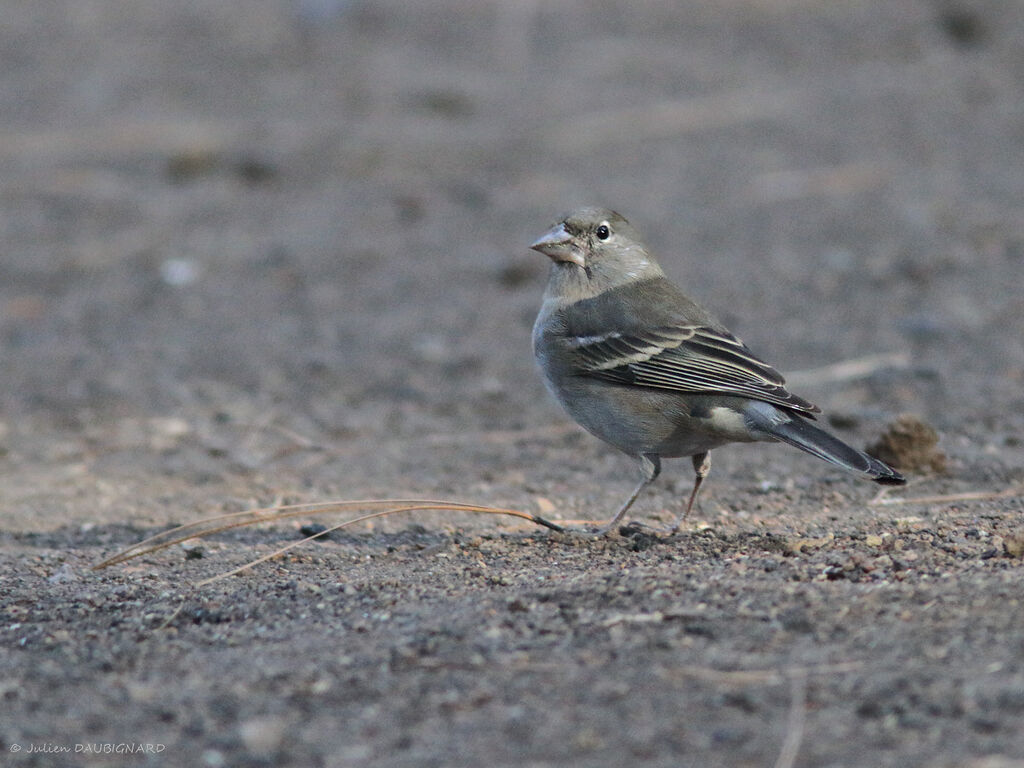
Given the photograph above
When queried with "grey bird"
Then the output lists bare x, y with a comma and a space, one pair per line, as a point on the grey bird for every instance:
651, 372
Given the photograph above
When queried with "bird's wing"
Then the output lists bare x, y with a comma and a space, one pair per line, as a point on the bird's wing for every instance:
684, 358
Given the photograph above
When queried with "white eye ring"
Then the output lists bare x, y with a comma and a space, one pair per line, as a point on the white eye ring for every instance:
603, 232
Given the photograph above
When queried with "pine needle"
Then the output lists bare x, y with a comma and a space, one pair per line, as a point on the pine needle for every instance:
377, 508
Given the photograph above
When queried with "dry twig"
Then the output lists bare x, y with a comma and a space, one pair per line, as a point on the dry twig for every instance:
795, 724
883, 500
848, 370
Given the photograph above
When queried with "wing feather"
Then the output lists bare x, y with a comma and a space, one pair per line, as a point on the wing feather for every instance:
684, 358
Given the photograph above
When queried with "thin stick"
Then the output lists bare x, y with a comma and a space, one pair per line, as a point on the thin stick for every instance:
167, 622
1006, 493
848, 370
587, 131
762, 676
795, 724
245, 518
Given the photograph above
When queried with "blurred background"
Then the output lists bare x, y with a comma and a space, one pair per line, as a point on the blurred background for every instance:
264, 247
266, 251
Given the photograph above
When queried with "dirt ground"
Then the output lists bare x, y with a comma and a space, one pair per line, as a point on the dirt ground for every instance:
274, 252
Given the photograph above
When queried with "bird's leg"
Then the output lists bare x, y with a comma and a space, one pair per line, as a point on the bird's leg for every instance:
650, 466
701, 467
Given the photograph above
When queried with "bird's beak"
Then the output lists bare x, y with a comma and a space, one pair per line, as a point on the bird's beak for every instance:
559, 245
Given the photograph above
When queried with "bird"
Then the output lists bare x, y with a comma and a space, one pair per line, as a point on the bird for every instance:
649, 371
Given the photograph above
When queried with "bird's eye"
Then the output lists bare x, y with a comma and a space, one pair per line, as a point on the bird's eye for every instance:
603, 233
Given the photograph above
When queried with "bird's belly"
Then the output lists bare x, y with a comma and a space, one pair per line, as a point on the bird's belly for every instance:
640, 421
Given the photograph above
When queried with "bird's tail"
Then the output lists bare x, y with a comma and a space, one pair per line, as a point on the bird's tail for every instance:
817, 442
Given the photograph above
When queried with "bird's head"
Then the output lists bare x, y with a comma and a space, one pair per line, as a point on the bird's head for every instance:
594, 249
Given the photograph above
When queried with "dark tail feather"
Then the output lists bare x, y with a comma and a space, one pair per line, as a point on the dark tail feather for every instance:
820, 443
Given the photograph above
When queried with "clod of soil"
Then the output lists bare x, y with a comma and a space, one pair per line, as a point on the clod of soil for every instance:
910, 443
1013, 545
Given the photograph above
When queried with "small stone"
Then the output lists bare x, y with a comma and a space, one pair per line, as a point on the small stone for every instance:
544, 505
179, 271
262, 735
313, 529
589, 740
797, 545
191, 163
254, 170
62, 575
